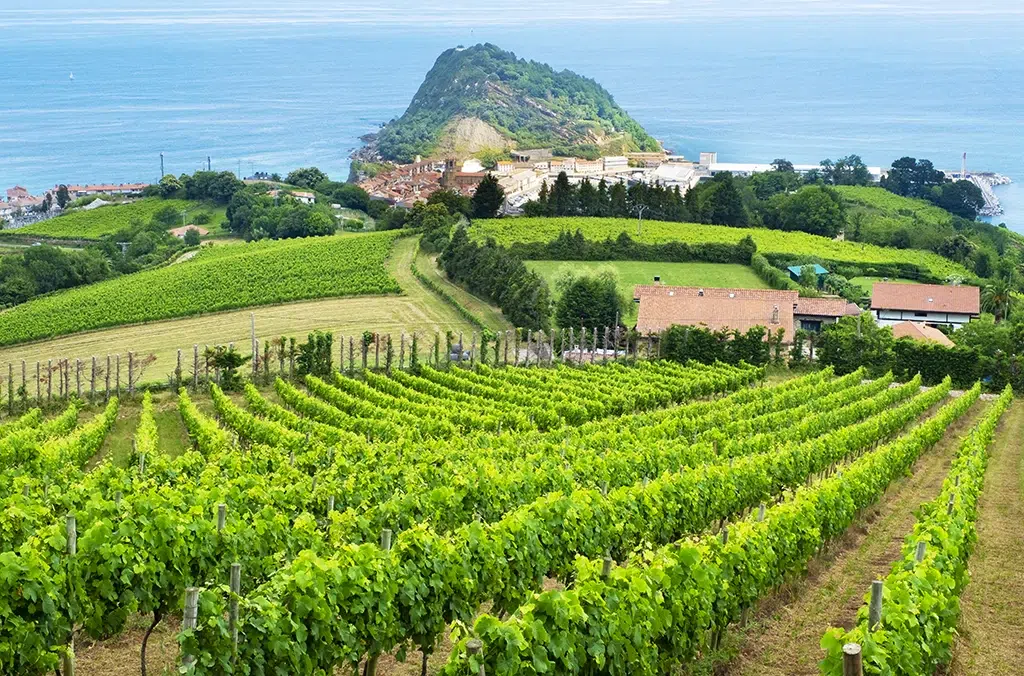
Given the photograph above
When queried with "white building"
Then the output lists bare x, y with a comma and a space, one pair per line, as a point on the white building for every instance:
930, 304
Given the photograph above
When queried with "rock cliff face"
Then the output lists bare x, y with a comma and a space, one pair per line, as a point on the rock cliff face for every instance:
484, 98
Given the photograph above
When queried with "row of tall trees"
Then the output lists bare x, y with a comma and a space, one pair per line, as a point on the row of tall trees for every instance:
911, 177
616, 200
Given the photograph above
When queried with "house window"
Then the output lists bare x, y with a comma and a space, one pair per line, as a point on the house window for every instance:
920, 314
811, 325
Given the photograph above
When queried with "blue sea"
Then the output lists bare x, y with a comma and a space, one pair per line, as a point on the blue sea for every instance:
269, 88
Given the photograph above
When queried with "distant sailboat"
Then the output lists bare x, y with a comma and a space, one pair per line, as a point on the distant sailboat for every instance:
71, 77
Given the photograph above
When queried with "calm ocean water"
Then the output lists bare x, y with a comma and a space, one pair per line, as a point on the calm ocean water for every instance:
278, 95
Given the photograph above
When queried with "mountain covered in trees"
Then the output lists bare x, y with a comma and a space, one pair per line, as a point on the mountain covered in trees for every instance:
483, 98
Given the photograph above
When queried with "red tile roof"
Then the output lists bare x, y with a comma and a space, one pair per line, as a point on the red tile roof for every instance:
826, 307
926, 298
660, 311
641, 290
921, 332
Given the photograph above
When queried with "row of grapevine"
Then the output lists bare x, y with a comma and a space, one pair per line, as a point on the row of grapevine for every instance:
920, 602
661, 607
382, 604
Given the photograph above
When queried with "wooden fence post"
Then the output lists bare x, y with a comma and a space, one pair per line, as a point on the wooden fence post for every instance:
189, 621
852, 665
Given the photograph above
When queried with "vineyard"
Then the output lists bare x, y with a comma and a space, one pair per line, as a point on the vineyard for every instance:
219, 278
598, 518
107, 220
770, 242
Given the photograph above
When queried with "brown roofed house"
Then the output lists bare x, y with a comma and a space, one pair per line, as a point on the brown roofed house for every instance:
921, 332
809, 314
932, 304
715, 309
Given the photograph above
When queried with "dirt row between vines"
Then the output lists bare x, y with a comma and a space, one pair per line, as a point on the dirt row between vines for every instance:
782, 637
991, 631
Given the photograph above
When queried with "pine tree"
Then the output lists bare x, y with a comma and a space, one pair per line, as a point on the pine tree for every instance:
488, 198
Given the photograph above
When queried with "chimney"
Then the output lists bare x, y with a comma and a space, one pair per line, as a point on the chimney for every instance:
657, 279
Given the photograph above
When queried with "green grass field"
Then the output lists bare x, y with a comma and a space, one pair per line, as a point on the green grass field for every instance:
631, 273
218, 278
508, 230
109, 219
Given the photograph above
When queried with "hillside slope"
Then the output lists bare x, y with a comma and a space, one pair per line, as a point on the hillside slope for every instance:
508, 101
219, 278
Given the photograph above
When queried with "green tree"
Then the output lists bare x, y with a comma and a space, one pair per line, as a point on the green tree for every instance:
910, 177
808, 277
960, 198
590, 301
718, 202
488, 198
996, 297
453, 201
63, 196
853, 342
170, 186
306, 177
191, 237
562, 197
956, 248
782, 165
983, 264
816, 209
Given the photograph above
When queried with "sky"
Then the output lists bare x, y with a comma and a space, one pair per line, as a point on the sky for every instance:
478, 12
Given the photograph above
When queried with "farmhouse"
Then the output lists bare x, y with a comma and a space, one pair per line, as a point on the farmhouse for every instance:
740, 309
921, 332
931, 304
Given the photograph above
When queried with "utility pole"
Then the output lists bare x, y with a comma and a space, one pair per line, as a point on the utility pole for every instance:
162, 174
639, 209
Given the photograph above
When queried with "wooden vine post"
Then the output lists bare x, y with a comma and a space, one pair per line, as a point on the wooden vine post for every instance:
529, 342
195, 367
506, 348
68, 659
10, 389
106, 396
376, 352
236, 590
583, 339
852, 664
474, 647
78, 378
401, 353
131, 373
551, 347
92, 381
875, 606
49, 380
189, 621
593, 347
117, 376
